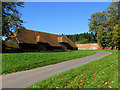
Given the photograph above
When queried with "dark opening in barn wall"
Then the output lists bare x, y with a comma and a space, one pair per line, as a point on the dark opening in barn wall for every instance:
44, 46
67, 46
28, 47
48, 47
39, 47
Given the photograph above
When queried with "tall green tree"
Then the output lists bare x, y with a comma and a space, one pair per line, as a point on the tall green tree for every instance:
116, 36
112, 21
96, 20
102, 36
104, 24
11, 17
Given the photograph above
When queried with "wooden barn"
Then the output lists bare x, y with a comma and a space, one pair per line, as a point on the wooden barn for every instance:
28, 40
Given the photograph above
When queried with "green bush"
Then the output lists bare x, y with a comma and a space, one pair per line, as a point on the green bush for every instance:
83, 41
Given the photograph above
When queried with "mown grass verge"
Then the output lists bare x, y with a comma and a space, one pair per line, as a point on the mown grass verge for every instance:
102, 73
13, 62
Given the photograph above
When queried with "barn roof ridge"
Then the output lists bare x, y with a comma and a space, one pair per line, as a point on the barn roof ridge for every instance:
42, 32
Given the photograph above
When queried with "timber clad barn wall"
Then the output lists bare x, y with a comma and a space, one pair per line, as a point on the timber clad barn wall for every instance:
28, 40
91, 46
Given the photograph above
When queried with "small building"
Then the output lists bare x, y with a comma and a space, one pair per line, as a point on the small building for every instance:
28, 40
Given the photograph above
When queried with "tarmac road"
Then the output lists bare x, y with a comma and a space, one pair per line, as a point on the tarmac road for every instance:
24, 79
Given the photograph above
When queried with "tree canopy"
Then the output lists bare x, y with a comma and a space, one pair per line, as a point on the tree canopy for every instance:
82, 38
105, 26
11, 17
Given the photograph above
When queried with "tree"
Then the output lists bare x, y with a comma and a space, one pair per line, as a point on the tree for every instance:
83, 41
96, 20
82, 38
116, 36
11, 17
92, 38
101, 37
104, 25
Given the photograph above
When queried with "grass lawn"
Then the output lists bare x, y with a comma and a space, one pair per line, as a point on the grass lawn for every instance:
13, 62
102, 73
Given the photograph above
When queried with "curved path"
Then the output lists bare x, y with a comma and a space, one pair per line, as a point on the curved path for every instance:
26, 78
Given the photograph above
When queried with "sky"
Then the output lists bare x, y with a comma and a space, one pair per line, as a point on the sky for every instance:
60, 17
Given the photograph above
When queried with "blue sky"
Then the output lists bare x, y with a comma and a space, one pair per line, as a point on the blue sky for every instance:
60, 17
